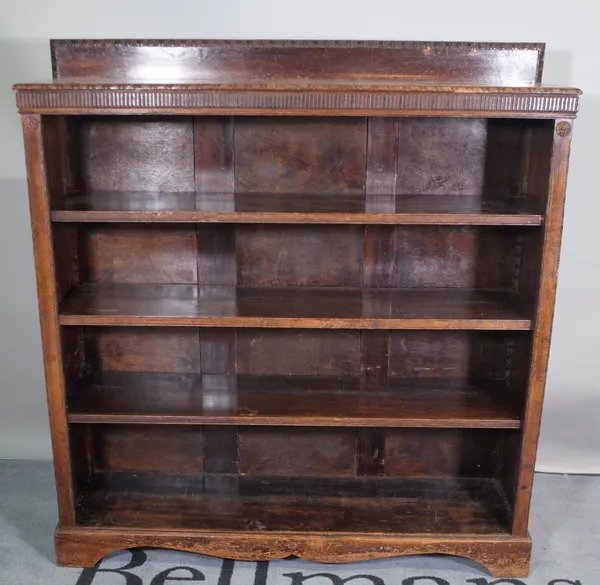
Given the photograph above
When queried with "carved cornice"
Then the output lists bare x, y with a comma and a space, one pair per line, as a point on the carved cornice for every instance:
166, 100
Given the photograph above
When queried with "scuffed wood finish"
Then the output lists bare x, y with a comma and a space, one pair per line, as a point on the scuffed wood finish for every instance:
266, 503
326, 99
269, 208
179, 305
39, 201
115, 397
504, 556
559, 167
229, 60
298, 77
121, 154
125, 448
300, 155
296, 296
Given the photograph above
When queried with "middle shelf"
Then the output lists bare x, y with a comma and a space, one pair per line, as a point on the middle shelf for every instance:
196, 399
298, 208
292, 307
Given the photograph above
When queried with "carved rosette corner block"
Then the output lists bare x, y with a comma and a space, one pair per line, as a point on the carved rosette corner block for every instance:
30, 123
563, 129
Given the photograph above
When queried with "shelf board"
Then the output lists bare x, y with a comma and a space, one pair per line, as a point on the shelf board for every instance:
189, 207
209, 399
263, 504
290, 307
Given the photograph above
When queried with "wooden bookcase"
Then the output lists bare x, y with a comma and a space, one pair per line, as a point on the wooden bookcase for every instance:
296, 297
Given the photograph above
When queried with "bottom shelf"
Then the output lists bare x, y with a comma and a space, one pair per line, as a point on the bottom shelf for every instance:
262, 504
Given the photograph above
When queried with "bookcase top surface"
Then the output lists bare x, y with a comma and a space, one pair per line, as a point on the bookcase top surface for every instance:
306, 77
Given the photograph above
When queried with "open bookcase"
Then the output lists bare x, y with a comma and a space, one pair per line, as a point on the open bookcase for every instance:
296, 297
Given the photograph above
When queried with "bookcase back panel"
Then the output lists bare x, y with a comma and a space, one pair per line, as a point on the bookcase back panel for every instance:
288, 156
463, 257
299, 155
172, 449
299, 451
138, 254
413, 256
300, 255
142, 349
443, 452
281, 352
450, 354
134, 154
471, 355
441, 157
470, 157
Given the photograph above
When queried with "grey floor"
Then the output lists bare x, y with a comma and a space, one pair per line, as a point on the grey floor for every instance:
565, 526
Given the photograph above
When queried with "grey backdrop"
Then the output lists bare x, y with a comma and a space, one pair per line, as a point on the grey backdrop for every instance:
570, 440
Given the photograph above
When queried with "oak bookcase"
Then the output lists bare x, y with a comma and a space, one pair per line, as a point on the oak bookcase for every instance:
296, 297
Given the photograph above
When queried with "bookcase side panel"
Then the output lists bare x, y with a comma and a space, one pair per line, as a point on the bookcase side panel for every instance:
39, 197
543, 321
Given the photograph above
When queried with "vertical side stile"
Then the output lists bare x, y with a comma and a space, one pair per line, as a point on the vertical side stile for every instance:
39, 200
544, 313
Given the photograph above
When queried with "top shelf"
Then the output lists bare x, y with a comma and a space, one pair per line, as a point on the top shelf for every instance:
273, 208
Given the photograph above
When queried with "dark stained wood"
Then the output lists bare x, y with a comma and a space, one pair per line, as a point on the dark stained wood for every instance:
122, 254
441, 156
296, 297
290, 307
147, 349
379, 256
361, 97
114, 397
47, 289
59, 181
299, 256
213, 154
221, 449
75, 364
450, 354
231, 60
136, 154
298, 352
446, 453
300, 155
375, 357
265, 504
370, 452
559, 167
66, 267
506, 159
463, 257
216, 255
265, 208
382, 156
218, 351
134, 448
503, 556
275, 451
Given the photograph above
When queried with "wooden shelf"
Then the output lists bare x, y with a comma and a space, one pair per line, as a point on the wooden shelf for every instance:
144, 398
361, 505
265, 208
319, 308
